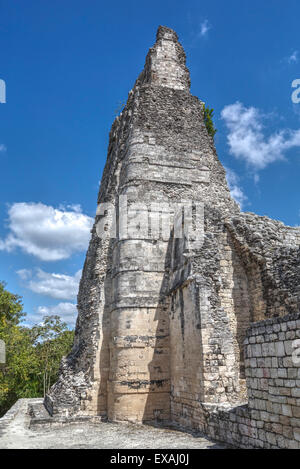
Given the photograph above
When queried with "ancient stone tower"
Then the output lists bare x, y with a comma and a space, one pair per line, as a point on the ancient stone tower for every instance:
175, 274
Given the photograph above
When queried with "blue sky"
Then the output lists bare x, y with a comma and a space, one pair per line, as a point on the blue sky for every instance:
68, 64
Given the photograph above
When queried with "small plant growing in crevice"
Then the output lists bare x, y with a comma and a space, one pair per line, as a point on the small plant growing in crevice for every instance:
120, 107
208, 120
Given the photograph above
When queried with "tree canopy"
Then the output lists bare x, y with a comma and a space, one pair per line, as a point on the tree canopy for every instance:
33, 354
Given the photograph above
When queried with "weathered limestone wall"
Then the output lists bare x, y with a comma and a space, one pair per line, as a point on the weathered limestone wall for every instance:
270, 251
273, 379
247, 269
209, 315
159, 155
272, 418
162, 312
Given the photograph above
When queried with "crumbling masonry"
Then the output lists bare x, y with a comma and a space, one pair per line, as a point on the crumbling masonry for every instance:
163, 319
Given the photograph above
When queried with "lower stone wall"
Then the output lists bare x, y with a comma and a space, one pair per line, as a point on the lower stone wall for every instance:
273, 379
271, 419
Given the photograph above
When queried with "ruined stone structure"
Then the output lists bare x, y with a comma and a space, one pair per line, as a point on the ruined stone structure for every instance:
175, 276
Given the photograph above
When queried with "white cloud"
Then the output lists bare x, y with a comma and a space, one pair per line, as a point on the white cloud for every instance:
247, 141
73, 207
62, 287
235, 189
66, 311
204, 28
46, 232
294, 57
2, 148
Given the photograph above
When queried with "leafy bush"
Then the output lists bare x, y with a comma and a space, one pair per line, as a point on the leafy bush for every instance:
208, 119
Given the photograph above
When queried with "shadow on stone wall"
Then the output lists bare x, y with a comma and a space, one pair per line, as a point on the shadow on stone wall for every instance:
157, 408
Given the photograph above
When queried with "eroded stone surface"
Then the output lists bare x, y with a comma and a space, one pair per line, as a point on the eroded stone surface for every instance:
15, 433
163, 316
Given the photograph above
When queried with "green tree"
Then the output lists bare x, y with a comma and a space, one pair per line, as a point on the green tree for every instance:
33, 355
208, 120
18, 377
52, 340
18, 374
11, 307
